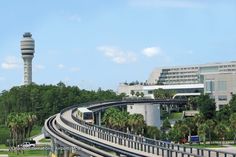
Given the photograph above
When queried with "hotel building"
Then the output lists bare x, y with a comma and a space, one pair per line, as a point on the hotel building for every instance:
216, 79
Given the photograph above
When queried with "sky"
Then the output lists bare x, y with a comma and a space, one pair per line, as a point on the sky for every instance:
101, 43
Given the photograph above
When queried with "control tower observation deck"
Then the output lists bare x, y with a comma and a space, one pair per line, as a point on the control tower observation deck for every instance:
27, 52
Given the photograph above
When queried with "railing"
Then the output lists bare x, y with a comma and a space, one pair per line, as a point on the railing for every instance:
137, 142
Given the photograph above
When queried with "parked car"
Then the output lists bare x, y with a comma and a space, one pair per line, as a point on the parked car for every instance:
28, 144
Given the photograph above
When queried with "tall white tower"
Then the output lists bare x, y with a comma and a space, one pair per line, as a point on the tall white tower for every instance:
27, 52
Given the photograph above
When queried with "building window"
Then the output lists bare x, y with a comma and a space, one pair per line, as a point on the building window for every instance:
150, 92
209, 86
221, 106
222, 86
222, 97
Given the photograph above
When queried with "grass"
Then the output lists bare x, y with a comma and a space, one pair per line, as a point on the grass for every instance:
45, 140
36, 130
3, 146
175, 115
205, 145
32, 153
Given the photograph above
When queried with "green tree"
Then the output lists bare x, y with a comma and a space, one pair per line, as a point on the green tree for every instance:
223, 114
163, 94
233, 125
206, 106
220, 131
137, 94
198, 119
232, 103
152, 132
202, 131
159, 93
189, 122
132, 92
110, 117
142, 94
192, 103
211, 126
165, 125
136, 123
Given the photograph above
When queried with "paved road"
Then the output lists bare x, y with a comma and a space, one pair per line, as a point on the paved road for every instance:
227, 148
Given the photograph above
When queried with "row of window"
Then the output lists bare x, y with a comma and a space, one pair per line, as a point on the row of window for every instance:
178, 73
186, 68
210, 85
225, 66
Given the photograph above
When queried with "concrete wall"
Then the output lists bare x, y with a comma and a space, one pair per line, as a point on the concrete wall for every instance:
150, 112
230, 79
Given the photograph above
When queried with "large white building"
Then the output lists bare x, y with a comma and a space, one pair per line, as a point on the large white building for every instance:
216, 79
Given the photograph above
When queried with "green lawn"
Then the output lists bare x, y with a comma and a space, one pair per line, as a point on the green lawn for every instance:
28, 153
36, 130
205, 146
3, 146
175, 115
45, 140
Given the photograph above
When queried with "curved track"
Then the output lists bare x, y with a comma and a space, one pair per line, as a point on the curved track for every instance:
95, 140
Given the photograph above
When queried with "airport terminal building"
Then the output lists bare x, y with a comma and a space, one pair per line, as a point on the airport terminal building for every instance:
216, 79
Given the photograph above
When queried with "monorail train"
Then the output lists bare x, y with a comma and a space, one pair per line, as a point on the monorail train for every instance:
85, 114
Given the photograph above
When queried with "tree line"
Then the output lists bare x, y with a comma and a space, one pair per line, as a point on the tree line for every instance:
209, 124
46, 100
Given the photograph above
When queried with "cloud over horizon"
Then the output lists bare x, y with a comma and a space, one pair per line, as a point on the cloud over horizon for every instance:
116, 55
11, 63
152, 51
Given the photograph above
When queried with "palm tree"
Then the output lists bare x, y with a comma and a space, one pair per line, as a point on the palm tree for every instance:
189, 122
110, 117
233, 125
198, 119
31, 119
12, 124
152, 132
202, 131
211, 125
165, 125
142, 94
136, 123
132, 92
220, 131
137, 94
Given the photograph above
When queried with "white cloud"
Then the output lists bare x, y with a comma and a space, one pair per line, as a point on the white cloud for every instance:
61, 66
168, 3
152, 51
75, 69
116, 55
10, 63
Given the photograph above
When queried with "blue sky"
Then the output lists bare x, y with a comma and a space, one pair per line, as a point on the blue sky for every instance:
100, 43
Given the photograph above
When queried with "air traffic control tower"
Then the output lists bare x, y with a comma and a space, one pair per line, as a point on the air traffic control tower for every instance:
27, 52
